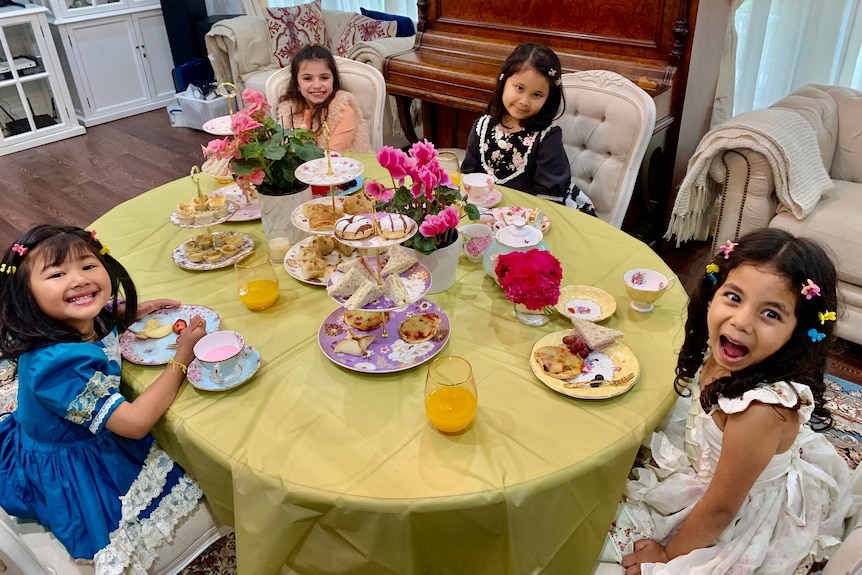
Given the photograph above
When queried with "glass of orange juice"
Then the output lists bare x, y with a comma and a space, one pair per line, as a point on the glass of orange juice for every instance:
256, 282
450, 394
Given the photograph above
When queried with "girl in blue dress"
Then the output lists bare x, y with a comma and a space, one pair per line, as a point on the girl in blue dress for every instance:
76, 455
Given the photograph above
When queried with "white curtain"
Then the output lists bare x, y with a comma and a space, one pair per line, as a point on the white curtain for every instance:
400, 7
784, 44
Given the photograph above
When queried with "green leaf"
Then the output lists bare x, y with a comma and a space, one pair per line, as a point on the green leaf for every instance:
423, 244
471, 211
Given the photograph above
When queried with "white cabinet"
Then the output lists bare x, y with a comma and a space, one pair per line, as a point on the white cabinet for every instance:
116, 56
35, 105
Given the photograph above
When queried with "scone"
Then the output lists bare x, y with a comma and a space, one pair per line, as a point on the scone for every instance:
419, 328
323, 245
393, 226
365, 320
353, 228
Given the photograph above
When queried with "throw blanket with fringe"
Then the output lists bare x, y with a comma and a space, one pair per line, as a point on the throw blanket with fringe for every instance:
783, 137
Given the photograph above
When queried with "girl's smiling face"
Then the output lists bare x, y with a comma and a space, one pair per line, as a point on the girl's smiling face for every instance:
314, 81
73, 291
525, 93
751, 316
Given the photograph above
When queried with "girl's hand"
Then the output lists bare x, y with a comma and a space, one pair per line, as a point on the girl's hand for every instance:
189, 337
646, 551
148, 307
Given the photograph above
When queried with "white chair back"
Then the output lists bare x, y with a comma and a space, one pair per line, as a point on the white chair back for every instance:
365, 82
607, 124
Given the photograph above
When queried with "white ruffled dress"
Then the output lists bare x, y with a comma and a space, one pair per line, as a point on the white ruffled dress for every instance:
792, 517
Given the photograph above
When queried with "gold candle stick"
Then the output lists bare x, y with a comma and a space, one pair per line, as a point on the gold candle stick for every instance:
227, 90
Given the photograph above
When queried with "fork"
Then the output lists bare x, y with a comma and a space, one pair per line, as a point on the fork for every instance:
599, 382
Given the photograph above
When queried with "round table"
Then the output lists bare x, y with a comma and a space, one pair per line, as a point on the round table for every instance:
325, 470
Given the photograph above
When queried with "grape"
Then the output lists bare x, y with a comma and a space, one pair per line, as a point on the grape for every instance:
567, 340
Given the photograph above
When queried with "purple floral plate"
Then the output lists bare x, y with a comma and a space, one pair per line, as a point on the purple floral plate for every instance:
385, 354
156, 351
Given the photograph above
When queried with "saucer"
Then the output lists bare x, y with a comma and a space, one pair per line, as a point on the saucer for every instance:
199, 376
489, 200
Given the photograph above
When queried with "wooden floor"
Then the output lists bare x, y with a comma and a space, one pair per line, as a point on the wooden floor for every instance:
76, 181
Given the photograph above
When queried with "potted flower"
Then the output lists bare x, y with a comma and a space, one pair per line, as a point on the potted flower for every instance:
265, 155
422, 190
531, 280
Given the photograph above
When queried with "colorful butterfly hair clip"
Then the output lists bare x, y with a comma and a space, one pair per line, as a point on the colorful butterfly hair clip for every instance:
104, 249
8, 269
20, 250
826, 316
711, 271
728, 249
816, 335
810, 290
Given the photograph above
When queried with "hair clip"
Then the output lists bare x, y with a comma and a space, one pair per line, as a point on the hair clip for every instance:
711, 270
104, 249
810, 290
816, 335
501, 77
557, 82
552, 72
728, 249
20, 250
8, 269
826, 316
93, 234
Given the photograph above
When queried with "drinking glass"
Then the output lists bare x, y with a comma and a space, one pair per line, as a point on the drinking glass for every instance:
450, 394
256, 282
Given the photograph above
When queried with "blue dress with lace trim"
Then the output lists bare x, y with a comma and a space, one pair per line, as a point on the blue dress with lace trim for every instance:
101, 494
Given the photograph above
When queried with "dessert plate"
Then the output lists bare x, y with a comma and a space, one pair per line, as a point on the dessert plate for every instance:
385, 354
294, 267
232, 208
298, 219
179, 257
218, 126
490, 199
315, 172
375, 241
616, 363
156, 351
417, 282
248, 209
585, 302
505, 216
199, 376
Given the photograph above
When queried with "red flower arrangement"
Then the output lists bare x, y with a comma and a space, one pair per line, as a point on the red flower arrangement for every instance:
531, 278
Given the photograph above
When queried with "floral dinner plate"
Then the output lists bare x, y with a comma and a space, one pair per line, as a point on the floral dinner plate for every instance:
298, 218
156, 351
294, 267
616, 363
218, 126
247, 209
316, 172
385, 354
585, 302
179, 257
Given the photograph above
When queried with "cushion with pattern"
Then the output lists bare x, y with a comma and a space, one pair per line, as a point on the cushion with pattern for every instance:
294, 27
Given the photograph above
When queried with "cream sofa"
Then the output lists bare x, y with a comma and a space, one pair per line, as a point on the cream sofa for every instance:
240, 53
835, 114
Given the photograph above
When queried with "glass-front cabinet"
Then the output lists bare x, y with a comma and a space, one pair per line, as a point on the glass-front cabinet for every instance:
64, 9
35, 105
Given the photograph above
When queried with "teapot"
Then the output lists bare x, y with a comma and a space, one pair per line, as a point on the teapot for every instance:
520, 235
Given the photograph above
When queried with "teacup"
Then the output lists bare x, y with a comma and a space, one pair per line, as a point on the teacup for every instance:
645, 286
219, 353
477, 186
475, 240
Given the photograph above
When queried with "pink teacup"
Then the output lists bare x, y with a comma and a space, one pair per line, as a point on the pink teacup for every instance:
219, 354
475, 240
477, 186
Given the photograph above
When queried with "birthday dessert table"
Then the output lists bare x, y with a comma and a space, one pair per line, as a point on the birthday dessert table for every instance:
325, 469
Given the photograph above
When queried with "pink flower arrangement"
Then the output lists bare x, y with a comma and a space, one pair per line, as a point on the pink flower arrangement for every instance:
531, 278
422, 190
262, 152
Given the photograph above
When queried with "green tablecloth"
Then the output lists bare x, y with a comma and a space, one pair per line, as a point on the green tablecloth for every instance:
325, 470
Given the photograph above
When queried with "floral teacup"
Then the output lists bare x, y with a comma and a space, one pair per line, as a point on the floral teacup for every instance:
645, 286
475, 240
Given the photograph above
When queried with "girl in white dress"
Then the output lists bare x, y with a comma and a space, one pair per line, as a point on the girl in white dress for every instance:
751, 488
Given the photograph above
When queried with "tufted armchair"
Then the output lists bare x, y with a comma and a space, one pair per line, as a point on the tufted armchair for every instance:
606, 124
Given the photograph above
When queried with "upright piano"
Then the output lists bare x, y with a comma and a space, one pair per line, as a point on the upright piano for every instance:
461, 44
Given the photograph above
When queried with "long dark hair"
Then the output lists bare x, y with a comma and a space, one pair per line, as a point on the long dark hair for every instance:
23, 324
800, 359
305, 54
545, 62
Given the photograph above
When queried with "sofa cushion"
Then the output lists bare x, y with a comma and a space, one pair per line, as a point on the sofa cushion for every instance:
835, 223
292, 28
405, 24
847, 163
819, 109
359, 28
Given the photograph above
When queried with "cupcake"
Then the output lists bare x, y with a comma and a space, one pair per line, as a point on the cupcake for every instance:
212, 256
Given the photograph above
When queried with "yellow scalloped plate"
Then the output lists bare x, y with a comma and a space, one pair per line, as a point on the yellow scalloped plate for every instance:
585, 302
613, 362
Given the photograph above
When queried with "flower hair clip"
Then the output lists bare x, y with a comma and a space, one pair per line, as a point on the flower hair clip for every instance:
810, 290
20, 250
8, 269
816, 335
728, 249
711, 271
826, 316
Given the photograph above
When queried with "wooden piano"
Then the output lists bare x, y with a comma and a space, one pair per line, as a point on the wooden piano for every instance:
460, 45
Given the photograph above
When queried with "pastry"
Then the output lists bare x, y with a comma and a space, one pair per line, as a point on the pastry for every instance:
367, 293
219, 239
191, 246
186, 207
357, 204
212, 256
419, 328
559, 362
365, 320
393, 226
353, 344
305, 253
186, 217
218, 205
323, 245
595, 336
393, 288
313, 268
228, 251
201, 203
321, 217
343, 249
353, 227
205, 241
195, 256
398, 261
234, 238
204, 217
346, 284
